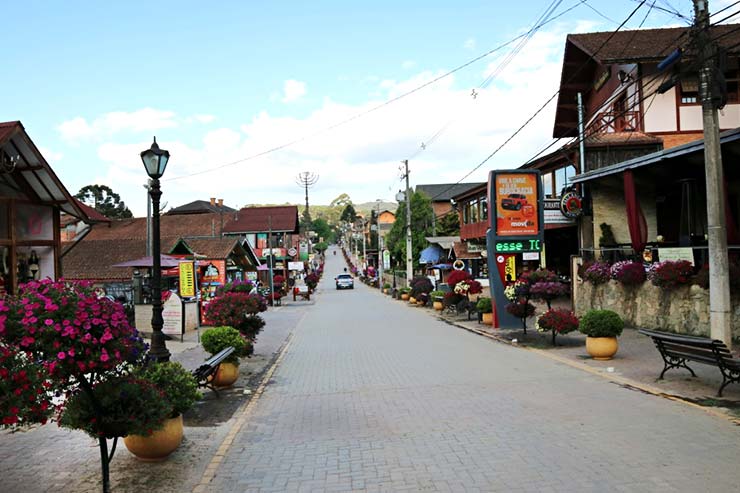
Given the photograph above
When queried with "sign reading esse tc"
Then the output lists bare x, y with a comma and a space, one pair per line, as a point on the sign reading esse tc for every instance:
529, 245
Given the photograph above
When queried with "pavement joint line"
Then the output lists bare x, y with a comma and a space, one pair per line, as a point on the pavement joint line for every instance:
244, 412
610, 377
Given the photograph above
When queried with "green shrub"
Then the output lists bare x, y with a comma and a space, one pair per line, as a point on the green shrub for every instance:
484, 305
404, 290
437, 294
178, 384
387, 285
601, 323
219, 338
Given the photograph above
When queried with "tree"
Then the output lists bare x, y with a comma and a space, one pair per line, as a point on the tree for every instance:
449, 224
340, 201
421, 227
349, 214
105, 201
323, 229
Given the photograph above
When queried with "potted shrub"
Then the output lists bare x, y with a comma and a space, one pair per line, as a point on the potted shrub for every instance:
311, 280
238, 310
557, 322
405, 293
386, 288
485, 308
601, 328
437, 298
180, 392
219, 338
421, 285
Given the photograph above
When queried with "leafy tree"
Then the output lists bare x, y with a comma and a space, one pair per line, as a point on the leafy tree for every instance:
421, 227
349, 214
323, 229
105, 201
321, 246
449, 224
341, 201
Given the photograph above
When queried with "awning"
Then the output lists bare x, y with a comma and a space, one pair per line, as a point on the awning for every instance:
697, 147
430, 255
445, 242
442, 266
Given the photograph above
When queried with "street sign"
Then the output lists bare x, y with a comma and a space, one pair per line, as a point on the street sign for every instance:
187, 280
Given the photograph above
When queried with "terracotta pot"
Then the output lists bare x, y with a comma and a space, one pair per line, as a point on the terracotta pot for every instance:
601, 348
226, 375
157, 446
438, 306
487, 318
412, 300
385, 290
405, 296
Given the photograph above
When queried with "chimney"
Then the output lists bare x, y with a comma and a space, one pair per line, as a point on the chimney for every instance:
220, 202
213, 201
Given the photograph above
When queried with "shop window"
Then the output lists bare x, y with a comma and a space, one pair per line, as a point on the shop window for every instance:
34, 222
484, 209
34, 263
689, 90
547, 185
474, 211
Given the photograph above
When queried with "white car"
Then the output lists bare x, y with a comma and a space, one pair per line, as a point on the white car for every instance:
345, 281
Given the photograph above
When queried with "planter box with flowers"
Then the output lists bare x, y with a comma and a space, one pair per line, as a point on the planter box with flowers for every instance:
670, 298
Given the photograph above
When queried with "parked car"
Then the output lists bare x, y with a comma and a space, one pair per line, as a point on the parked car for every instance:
514, 201
345, 281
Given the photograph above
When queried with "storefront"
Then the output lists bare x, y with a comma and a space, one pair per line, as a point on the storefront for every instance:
31, 200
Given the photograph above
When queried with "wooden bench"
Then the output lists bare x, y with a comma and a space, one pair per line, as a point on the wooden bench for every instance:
204, 373
676, 350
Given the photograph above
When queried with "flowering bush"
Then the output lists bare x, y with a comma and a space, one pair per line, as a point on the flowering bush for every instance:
540, 275
557, 322
456, 276
597, 273
628, 273
68, 328
235, 287
130, 406
24, 396
520, 289
421, 285
521, 310
232, 309
671, 274
548, 291
312, 280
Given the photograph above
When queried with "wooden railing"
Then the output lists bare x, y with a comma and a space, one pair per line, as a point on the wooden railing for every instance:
615, 121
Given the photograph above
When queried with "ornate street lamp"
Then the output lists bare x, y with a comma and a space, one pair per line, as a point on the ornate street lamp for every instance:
155, 162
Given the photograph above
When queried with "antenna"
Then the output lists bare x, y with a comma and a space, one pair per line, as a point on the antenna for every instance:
306, 180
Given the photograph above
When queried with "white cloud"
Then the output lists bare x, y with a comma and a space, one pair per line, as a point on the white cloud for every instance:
469, 44
293, 90
361, 157
50, 156
146, 119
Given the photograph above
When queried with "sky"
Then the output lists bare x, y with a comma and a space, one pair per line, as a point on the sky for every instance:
245, 95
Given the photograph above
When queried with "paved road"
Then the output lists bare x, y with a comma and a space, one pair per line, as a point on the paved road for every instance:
373, 395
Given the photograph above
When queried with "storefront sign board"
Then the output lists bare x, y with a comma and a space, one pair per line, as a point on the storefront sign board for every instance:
172, 315
187, 280
517, 208
676, 254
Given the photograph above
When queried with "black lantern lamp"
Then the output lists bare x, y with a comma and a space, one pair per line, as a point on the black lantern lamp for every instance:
155, 162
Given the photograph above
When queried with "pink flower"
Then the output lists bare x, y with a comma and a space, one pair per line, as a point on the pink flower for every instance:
104, 357
49, 321
61, 355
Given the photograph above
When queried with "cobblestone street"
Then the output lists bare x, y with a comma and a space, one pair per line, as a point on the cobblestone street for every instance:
375, 396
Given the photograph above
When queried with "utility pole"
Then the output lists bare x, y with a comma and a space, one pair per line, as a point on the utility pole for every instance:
719, 285
272, 259
409, 254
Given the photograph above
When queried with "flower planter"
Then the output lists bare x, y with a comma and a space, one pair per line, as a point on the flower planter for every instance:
157, 446
404, 296
226, 375
412, 300
601, 348
438, 306
487, 318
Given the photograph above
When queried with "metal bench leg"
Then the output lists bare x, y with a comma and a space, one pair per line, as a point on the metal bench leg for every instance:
669, 363
733, 377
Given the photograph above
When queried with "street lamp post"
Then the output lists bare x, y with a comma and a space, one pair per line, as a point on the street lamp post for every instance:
155, 162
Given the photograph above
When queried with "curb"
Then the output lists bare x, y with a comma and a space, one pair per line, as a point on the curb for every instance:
625, 382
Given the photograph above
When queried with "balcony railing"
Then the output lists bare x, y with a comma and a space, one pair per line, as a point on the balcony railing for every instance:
615, 121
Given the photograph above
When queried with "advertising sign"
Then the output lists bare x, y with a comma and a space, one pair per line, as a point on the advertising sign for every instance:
187, 280
686, 253
386, 260
516, 196
172, 315
303, 251
295, 266
506, 266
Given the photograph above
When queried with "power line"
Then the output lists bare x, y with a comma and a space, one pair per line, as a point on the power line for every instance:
370, 110
546, 103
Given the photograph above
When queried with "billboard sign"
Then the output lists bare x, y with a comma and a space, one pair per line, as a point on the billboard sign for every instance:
517, 205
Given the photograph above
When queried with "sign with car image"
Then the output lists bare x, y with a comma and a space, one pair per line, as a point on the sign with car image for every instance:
517, 211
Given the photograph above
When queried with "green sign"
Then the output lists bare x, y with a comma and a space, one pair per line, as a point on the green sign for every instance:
518, 246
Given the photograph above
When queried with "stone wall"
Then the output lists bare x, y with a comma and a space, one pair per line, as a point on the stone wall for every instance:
684, 310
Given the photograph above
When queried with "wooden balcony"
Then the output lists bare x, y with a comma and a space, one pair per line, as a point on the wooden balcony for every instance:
473, 230
615, 121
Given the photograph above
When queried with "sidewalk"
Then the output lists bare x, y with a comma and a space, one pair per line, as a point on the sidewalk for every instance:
637, 363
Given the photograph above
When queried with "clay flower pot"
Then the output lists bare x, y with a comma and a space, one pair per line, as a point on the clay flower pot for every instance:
404, 296
601, 348
226, 375
438, 306
157, 446
487, 318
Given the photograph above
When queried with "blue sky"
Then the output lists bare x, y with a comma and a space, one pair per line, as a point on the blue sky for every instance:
93, 81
